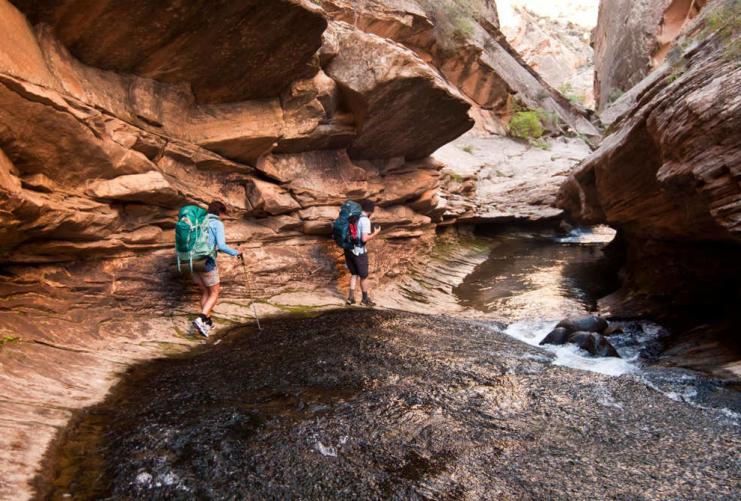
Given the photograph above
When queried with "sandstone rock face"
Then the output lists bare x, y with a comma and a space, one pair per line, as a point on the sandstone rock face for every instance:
379, 80
668, 179
632, 37
479, 61
554, 40
221, 49
115, 114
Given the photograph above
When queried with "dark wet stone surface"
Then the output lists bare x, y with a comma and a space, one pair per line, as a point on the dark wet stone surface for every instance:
363, 404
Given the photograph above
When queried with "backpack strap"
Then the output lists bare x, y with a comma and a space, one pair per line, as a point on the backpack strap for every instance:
212, 217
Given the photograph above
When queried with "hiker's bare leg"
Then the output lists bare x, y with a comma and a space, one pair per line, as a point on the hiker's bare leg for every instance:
213, 296
352, 285
204, 290
364, 284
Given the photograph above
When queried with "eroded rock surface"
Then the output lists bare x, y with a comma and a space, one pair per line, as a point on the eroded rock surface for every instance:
223, 50
554, 39
668, 179
496, 179
376, 404
477, 59
113, 115
633, 37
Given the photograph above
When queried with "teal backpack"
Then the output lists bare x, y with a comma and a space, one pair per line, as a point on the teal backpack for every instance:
191, 235
345, 227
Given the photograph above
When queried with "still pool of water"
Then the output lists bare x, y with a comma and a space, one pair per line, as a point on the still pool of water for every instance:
540, 276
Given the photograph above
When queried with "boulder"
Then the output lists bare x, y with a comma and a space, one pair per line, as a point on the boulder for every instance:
613, 329
589, 323
559, 335
434, 112
595, 344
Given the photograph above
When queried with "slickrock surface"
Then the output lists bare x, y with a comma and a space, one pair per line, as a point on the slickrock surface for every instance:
493, 179
374, 404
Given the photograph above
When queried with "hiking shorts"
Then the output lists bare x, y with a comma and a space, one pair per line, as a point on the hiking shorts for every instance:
208, 278
358, 265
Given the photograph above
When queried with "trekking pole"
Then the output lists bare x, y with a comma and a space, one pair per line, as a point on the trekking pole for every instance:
252, 294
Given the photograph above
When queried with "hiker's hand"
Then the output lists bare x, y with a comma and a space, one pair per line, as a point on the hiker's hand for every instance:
240, 256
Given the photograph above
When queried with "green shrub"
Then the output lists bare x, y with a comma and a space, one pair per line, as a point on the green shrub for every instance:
455, 20
526, 125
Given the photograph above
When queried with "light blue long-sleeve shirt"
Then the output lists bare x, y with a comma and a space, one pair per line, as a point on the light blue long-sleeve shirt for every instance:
217, 239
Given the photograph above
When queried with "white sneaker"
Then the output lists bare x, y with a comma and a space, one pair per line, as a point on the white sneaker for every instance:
201, 326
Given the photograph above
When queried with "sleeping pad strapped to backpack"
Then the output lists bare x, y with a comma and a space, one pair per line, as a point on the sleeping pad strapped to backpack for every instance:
191, 235
345, 227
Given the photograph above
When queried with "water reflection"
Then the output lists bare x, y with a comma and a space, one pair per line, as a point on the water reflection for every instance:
537, 275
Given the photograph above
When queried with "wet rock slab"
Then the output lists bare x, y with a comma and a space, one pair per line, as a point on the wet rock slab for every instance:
378, 404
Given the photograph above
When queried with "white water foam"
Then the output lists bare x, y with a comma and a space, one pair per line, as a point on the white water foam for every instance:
676, 386
568, 355
593, 235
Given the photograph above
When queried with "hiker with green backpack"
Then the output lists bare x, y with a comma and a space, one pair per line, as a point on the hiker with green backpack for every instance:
352, 231
199, 236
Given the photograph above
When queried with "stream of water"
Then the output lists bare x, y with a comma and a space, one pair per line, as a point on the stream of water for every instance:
533, 279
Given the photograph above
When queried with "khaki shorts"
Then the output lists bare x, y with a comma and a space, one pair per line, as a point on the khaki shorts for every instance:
209, 278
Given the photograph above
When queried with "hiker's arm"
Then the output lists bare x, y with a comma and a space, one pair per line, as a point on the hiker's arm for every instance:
367, 237
221, 241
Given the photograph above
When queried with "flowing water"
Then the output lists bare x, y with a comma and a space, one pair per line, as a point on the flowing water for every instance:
382, 404
534, 279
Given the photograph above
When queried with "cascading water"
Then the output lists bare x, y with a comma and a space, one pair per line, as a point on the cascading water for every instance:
532, 280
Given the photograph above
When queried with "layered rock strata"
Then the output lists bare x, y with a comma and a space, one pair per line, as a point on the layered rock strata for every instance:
632, 38
668, 178
556, 46
464, 42
492, 179
113, 115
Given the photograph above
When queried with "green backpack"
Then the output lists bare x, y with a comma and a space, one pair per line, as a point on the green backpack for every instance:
191, 235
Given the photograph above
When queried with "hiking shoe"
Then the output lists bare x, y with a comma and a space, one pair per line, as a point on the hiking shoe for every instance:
201, 326
350, 301
367, 302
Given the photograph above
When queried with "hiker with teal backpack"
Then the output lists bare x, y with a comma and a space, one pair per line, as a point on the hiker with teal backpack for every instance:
199, 236
352, 231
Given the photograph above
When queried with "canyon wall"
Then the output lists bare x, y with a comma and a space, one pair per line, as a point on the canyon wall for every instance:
668, 177
115, 114
632, 38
